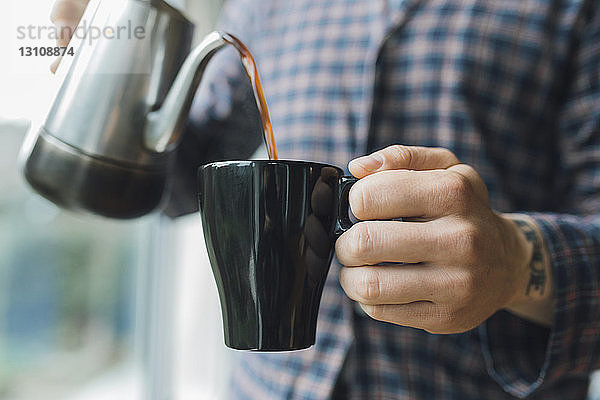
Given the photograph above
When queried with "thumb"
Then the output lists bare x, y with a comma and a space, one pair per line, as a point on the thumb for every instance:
403, 157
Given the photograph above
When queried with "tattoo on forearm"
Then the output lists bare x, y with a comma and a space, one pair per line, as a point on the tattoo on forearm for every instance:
537, 277
537, 280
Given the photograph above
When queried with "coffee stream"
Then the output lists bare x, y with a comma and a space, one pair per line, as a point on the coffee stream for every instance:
252, 72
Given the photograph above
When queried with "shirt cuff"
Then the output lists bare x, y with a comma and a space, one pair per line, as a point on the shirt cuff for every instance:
521, 355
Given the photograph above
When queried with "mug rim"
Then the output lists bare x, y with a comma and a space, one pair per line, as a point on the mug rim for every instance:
246, 163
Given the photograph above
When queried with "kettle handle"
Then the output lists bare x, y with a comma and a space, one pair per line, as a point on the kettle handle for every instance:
164, 125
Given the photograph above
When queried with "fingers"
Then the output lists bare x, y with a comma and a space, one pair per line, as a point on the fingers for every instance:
478, 186
66, 15
403, 157
402, 193
392, 284
374, 242
445, 241
432, 317
65, 32
55, 64
456, 268
68, 10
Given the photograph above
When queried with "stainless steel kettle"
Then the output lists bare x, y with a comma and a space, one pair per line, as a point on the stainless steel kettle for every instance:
107, 143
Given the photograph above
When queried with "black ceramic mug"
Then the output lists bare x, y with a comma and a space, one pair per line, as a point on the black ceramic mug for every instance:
269, 228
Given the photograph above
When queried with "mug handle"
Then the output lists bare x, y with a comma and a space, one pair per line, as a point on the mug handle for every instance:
343, 223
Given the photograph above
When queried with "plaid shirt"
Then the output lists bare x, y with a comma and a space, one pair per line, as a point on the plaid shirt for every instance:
512, 87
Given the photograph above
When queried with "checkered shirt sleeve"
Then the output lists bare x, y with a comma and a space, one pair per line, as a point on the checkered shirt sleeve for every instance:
573, 240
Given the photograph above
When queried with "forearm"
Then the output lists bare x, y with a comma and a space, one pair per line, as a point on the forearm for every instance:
534, 298
572, 244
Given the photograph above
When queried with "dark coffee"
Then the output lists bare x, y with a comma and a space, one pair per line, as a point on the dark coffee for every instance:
269, 228
252, 72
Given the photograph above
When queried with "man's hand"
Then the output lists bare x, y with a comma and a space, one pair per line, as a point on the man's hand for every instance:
463, 261
66, 15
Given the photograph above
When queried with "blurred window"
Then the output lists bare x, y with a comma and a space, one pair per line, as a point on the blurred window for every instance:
67, 282
93, 309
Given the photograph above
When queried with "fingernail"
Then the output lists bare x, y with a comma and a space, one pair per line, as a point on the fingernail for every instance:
368, 163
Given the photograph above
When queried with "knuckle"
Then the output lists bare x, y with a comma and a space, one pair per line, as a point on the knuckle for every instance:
455, 193
447, 156
360, 243
66, 9
369, 289
471, 242
459, 186
468, 170
400, 156
465, 240
364, 240
463, 288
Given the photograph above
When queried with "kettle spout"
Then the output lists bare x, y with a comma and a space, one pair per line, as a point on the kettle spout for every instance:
164, 125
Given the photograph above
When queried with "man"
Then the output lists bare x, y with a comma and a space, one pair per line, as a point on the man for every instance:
500, 250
